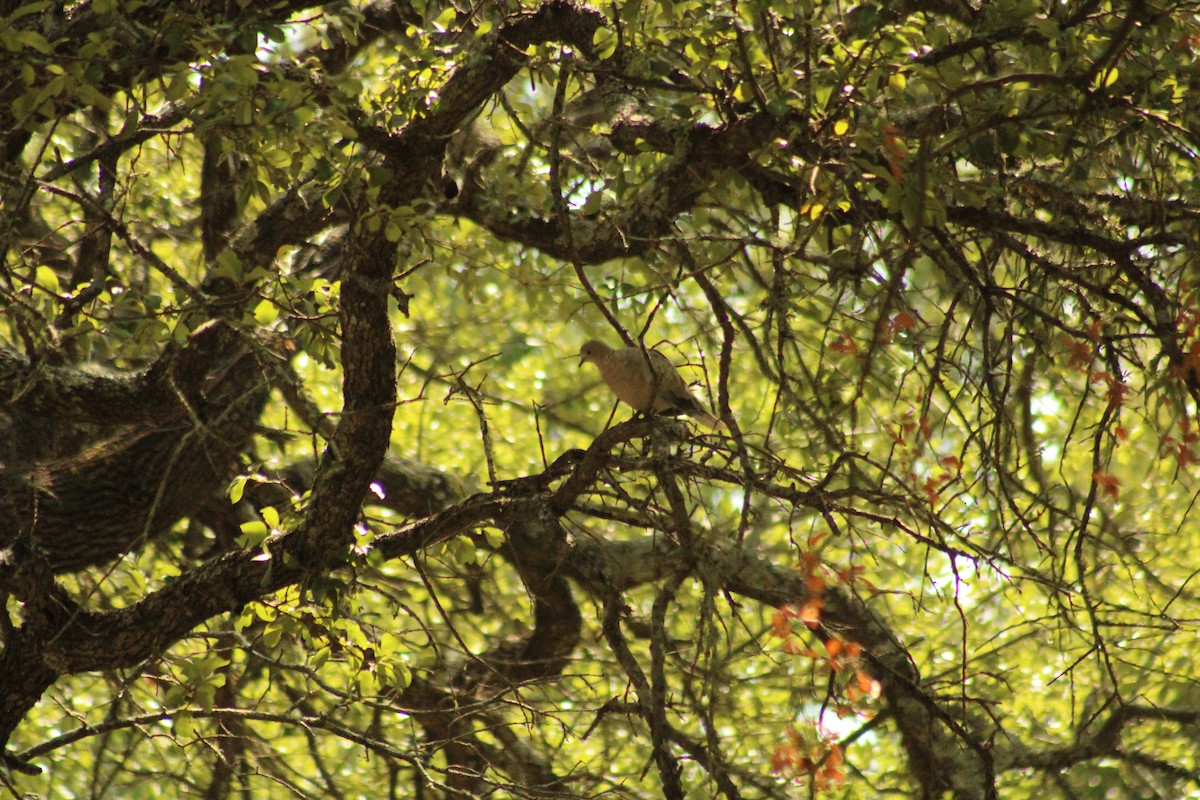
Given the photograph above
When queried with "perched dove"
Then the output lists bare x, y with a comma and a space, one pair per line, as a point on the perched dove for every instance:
646, 381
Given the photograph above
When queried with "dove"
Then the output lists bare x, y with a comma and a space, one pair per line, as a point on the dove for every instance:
646, 381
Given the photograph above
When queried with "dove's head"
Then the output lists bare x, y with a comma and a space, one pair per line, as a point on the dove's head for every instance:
593, 351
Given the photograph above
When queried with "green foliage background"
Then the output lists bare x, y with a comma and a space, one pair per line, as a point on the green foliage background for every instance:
934, 262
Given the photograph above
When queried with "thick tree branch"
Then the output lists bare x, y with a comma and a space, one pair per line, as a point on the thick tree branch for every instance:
699, 154
416, 152
67, 394
94, 466
71, 641
148, 52
1097, 741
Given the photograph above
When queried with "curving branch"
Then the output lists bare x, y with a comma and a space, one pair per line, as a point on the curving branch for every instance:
939, 742
1100, 740
63, 639
95, 465
67, 31
416, 152
698, 155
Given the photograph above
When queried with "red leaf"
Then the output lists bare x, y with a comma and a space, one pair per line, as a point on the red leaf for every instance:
903, 321
1109, 486
844, 346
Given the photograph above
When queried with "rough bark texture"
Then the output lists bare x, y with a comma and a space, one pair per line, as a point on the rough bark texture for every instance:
65, 639
94, 466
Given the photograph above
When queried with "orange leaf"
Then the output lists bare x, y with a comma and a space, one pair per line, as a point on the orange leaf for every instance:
810, 612
894, 149
785, 756
850, 575
830, 777
833, 646
780, 625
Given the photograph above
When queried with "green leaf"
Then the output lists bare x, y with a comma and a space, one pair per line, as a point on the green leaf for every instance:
33, 40
236, 488
253, 534
446, 18
47, 279
266, 312
605, 41
494, 536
